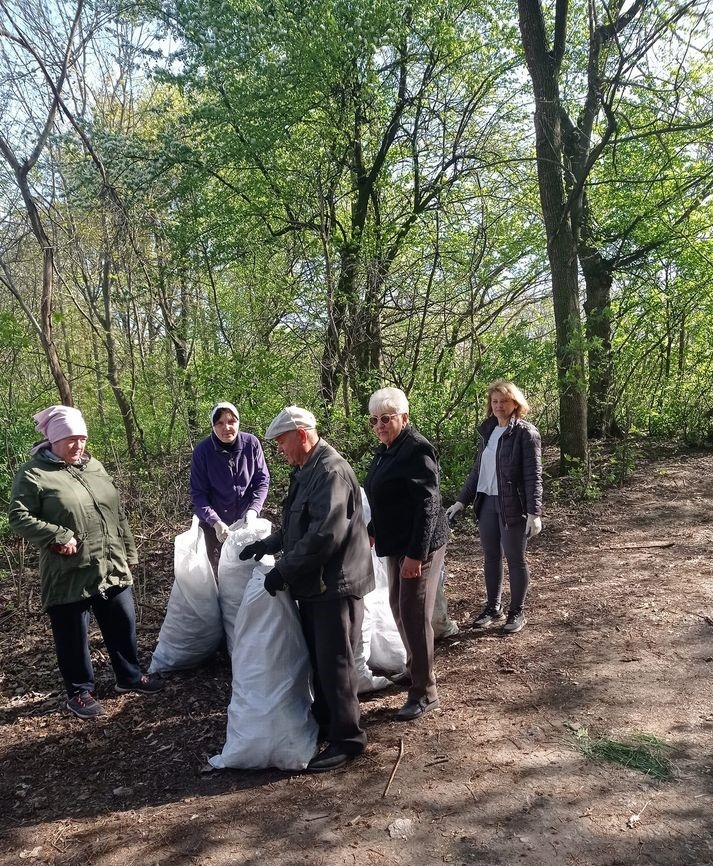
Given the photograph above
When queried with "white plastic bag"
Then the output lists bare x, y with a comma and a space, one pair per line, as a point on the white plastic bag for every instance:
443, 625
192, 628
386, 649
270, 723
368, 680
381, 645
234, 574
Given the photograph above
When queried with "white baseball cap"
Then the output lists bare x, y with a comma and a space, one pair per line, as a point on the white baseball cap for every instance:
291, 418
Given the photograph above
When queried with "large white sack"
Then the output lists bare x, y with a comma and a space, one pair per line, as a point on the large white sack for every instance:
234, 574
192, 628
368, 680
443, 625
270, 723
379, 625
386, 651
381, 646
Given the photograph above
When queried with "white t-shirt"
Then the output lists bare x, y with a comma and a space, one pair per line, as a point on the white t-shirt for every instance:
487, 477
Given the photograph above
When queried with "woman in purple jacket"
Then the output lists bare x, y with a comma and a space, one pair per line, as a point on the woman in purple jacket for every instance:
229, 478
505, 487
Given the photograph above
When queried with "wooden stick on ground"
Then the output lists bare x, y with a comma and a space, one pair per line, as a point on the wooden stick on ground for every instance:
635, 545
396, 766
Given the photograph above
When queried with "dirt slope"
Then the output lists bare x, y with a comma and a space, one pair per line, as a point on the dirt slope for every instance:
619, 641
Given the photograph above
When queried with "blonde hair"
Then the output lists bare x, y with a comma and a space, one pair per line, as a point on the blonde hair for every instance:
510, 389
388, 400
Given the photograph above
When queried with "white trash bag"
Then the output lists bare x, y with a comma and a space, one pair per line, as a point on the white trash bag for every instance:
234, 573
387, 652
270, 723
382, 648
443, 625
192, 628
368, 680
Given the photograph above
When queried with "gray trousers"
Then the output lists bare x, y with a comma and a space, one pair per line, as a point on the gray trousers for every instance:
412, 601
497, 539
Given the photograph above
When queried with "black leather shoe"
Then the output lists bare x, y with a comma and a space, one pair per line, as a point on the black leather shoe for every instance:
331, 757
402, 679
414, 709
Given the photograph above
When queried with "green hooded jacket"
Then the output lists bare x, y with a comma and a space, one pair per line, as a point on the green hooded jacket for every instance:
52, 501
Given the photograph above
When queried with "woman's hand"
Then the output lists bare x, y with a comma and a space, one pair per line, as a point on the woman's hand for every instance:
533, 526
250, 516
67, 549
410, 568
454, 511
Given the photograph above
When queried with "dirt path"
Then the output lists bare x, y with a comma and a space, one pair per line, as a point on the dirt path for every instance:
619, 641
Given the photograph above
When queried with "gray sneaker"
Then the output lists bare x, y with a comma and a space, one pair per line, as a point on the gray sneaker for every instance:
491, 613
84, 706
515, 622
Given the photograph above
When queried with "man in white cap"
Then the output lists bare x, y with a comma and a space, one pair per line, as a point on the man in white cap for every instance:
326, 564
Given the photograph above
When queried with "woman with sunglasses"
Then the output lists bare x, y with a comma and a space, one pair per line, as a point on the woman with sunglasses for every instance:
409, 529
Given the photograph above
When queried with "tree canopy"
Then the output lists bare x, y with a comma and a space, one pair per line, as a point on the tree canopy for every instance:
303, 201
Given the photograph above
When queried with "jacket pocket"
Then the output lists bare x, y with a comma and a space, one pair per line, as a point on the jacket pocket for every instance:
297, 524
64, 563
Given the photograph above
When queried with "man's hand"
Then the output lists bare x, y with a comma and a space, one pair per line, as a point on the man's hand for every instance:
256, 551
533, 526
221, 531
454, 511
274, 582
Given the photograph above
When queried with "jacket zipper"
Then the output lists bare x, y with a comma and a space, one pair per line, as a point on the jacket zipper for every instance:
501, 492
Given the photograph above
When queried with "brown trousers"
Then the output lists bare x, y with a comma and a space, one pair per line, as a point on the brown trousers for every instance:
412, 601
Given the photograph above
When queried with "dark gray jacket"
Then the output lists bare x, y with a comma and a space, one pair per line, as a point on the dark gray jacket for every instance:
518, 465
323, 536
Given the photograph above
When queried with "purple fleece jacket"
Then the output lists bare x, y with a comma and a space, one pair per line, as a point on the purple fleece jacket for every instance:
227, 480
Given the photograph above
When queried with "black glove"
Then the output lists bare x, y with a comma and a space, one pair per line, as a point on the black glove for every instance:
274, 581
257, 549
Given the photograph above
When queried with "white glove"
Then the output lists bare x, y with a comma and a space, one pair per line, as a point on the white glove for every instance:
221, 531
454, 511
533, 526
250, 516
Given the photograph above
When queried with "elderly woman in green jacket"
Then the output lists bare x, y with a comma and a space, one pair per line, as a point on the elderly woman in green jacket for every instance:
64, 503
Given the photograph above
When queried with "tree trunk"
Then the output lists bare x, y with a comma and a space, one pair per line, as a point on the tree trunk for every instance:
46, 336
544, 66
601, 403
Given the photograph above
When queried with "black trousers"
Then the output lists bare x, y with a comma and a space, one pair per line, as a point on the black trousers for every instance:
332, 629
116, 618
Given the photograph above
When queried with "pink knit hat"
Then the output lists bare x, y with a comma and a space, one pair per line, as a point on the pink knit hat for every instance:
58, 422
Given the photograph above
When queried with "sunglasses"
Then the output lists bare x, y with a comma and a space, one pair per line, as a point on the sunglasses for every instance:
384, 419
